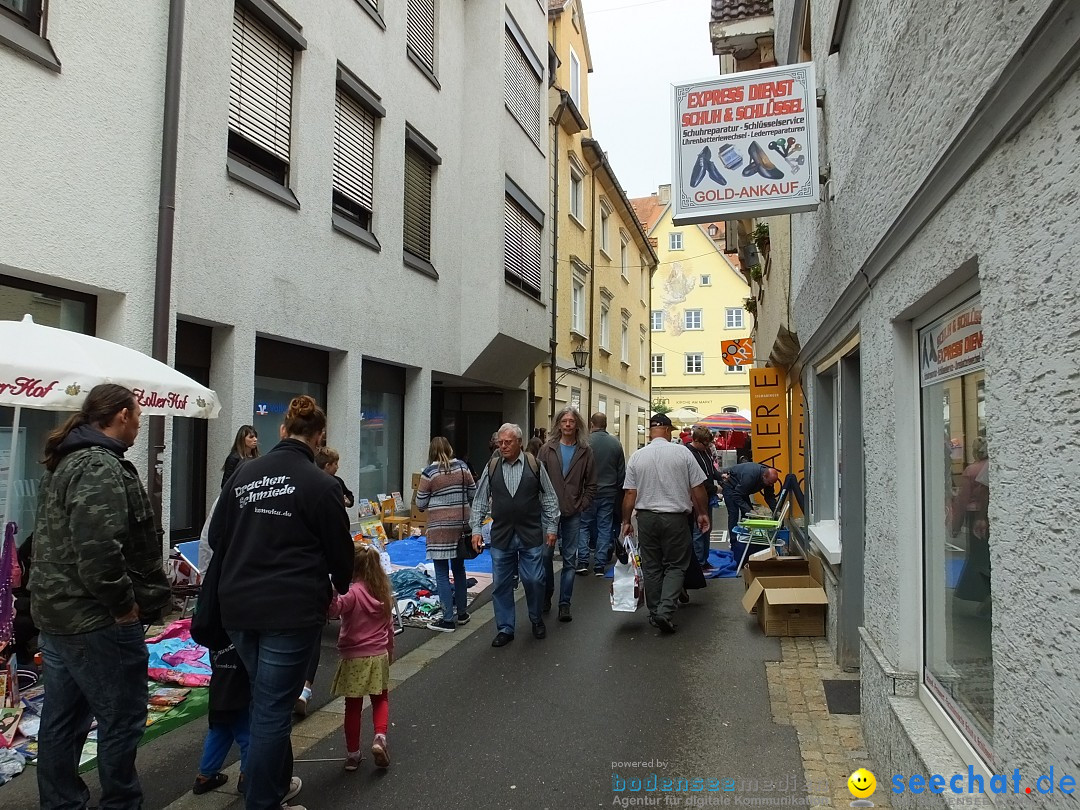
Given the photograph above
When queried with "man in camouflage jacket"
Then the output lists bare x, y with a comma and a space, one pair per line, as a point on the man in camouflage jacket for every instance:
97, 576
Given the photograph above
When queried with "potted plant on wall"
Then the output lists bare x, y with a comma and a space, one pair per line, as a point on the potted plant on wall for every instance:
755, 273
760, 237
750, 304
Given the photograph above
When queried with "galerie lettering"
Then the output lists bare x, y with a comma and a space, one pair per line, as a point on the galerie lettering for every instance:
998, 783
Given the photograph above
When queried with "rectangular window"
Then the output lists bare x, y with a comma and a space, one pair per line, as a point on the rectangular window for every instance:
420, 31
26, 12
643, 361
522, 80
605, 216
601, 404
522, 238
575, 78
657, 320
577, 195
735, 369
624, 343
695, 363
624, 259
605, 327
575, 398
645, 285
577, 306
733, 318
706, 281
417, 219
692, 319
658, 364
260, 97
354, 160
675, 240
956, 468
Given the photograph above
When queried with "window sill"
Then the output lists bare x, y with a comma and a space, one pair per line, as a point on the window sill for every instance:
414, 262
29, 44
626, 280
577, 333
576, 221
251, 178
825, 536
605, 254
422, 67
624, 363
354, 231
373, 13
604, 350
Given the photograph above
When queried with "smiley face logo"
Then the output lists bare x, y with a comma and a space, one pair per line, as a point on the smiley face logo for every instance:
862, 783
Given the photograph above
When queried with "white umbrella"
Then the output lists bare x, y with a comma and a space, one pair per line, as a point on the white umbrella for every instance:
54, 369
683, 416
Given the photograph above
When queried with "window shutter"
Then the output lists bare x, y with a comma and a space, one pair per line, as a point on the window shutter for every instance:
522, 247
420, 30
260, 85
417, 237
354, 151
521, 88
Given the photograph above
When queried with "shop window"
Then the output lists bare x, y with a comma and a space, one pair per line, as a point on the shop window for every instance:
50, 306
382, 429
956, 464
188, 453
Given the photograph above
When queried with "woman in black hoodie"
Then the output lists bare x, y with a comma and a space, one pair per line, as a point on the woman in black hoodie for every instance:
282, 534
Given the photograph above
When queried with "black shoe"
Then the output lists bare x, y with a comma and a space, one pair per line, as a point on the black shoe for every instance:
684, 597
564, 614
547, 607
208, 783
502, 640
463, 618
539, 630
582, 570
663, 625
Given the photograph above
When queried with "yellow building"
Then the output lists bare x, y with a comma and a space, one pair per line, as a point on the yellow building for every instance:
699, 300
601, 256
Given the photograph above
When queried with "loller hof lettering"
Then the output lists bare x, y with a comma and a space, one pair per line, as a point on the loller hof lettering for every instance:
29, 387
152, 399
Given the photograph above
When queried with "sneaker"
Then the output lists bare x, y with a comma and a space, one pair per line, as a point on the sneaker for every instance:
352, 761
294, 789
663, 625
204, 784
463, 618
442, 626
582, 570
599, 572
564, 614
379, 753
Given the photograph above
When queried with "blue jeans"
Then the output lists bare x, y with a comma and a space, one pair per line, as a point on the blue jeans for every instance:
528, 561
456, 594
569, 542
276, 661
701, 544
219, 739
598, 531
98, 674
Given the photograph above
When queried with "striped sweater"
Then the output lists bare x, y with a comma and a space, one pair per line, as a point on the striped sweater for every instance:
445, 496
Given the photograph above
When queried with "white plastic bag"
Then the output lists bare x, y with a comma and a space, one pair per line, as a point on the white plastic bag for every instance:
626, 586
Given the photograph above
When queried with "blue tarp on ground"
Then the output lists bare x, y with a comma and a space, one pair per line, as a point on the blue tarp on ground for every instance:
412, 551
722, 561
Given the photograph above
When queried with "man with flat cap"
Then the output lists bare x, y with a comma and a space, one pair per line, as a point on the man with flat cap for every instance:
665, 484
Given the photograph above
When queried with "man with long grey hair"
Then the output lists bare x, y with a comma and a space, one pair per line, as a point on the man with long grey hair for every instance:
568, 459
517, 492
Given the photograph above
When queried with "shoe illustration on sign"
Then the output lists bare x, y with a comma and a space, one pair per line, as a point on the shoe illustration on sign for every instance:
704, 166
760, 164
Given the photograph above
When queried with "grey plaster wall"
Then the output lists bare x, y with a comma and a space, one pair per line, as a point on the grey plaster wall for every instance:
906, 79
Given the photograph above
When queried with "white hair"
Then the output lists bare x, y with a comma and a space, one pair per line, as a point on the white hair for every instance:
510, 427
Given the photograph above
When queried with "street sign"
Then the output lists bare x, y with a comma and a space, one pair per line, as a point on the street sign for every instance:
737, 352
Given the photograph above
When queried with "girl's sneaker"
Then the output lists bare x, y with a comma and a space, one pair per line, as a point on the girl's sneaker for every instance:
442, 626
379, 752
353, 760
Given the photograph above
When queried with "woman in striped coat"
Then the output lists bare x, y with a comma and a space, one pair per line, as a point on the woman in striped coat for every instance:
446, 490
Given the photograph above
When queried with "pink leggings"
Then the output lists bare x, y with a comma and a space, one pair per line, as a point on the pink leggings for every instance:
380, 718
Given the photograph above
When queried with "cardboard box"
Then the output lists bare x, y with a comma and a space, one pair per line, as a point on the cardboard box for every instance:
788, 595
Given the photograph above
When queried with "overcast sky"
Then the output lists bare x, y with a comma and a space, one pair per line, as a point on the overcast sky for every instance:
639, 49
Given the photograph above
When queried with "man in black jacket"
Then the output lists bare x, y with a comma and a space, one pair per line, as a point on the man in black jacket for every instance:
282, 534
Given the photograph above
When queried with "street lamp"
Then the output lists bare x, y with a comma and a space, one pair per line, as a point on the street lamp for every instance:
580, 357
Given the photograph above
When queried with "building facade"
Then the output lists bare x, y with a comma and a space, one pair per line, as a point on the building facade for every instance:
602, 262
337, 232
698, 301
919, 328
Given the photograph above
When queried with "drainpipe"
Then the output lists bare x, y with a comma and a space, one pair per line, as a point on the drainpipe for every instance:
592, 283
554, 342
166, 215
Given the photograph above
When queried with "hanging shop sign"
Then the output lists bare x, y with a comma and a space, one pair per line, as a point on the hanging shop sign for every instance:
769, 407
737, 352
745, 145
952, 345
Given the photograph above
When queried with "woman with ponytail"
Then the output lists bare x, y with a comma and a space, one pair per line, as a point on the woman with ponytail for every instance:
96, 579
280, 535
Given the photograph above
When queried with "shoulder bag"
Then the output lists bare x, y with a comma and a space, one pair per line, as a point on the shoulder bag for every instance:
465, 550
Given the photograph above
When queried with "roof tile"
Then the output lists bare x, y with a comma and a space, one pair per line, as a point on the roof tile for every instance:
735, 10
